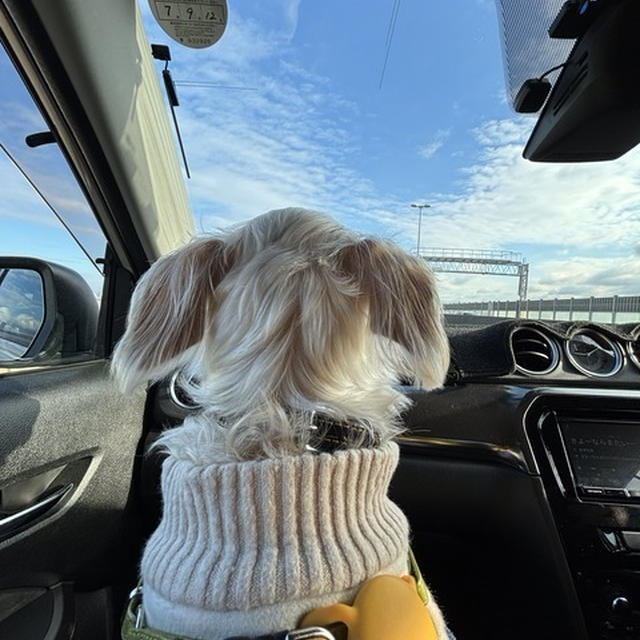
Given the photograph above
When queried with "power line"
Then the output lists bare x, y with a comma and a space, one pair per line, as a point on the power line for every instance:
387, 37
49, 205
395, 9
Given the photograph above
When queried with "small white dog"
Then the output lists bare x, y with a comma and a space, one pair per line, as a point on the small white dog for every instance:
273, 322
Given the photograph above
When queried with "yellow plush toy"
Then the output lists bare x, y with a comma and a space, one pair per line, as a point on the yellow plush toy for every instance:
386, 608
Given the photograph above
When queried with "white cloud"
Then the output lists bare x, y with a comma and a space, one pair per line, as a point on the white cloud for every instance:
291, 9
431, 148
19, 200
593, 276
505, 200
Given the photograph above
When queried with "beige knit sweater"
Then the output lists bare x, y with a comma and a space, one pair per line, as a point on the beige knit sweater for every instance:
250, 547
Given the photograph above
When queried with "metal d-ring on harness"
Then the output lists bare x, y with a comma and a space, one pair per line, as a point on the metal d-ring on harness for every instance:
135, 600
309, 633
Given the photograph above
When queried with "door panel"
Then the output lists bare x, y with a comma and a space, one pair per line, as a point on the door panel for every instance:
65, 430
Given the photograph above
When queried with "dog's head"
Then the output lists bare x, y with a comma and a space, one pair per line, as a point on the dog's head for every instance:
290, 308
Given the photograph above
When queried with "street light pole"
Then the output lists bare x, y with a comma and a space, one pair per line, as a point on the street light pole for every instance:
420, 206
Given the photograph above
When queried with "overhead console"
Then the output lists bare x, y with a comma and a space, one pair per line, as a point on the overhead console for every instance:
588, 453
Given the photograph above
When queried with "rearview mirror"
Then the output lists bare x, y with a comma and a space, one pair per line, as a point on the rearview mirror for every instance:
593, 112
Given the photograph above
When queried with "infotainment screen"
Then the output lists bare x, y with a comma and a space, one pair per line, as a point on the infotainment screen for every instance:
604, 455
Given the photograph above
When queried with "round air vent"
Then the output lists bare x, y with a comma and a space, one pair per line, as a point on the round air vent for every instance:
535, 353
178, 394
593, 353
634, 351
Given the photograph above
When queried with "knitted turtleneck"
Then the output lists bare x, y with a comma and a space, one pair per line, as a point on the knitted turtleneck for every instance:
248, 548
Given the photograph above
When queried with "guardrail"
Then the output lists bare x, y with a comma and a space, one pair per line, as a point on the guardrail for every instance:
613, 309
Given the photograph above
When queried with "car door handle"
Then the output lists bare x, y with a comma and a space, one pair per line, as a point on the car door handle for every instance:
19, 519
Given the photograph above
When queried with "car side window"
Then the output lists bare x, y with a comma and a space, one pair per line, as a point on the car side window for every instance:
51, 245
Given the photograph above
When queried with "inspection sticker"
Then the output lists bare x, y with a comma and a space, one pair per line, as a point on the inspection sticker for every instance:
196, 23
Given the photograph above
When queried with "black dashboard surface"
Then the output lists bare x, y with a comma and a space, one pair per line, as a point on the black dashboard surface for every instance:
487, 353
487, 479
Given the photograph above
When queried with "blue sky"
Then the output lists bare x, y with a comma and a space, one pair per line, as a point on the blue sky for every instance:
319, 132
316, 130
316, 68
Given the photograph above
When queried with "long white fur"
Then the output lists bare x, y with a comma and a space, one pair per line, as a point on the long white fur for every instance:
287, 314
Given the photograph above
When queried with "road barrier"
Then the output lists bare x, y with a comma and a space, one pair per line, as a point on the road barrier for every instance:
614, 309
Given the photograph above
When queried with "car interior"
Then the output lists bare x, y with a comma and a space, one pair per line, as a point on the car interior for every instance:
520, 476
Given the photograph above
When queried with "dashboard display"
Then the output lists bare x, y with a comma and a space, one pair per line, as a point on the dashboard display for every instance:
604, 456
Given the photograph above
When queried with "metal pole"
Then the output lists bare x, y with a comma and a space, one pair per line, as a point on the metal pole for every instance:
420, 206
523, 280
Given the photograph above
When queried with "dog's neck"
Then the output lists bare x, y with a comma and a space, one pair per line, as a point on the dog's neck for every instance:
326, 434
208, 437
252, 421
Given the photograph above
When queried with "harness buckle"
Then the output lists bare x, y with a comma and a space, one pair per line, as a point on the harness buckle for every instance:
310, 633
135, 603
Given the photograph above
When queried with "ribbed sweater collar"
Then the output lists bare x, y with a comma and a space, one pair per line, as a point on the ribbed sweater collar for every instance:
243, 535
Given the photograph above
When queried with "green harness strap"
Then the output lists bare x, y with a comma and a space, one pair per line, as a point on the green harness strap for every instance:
134, 628
421, 585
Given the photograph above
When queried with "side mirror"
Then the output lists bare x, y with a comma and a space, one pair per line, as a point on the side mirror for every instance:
47, 311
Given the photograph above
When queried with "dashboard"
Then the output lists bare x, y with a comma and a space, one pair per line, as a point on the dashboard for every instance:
591, 351
549, 351
558, 403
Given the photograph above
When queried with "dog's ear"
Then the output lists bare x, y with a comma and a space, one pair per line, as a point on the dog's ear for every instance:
403, 305
171, 307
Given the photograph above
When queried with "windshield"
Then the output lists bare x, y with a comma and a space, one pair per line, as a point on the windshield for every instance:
395, 119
